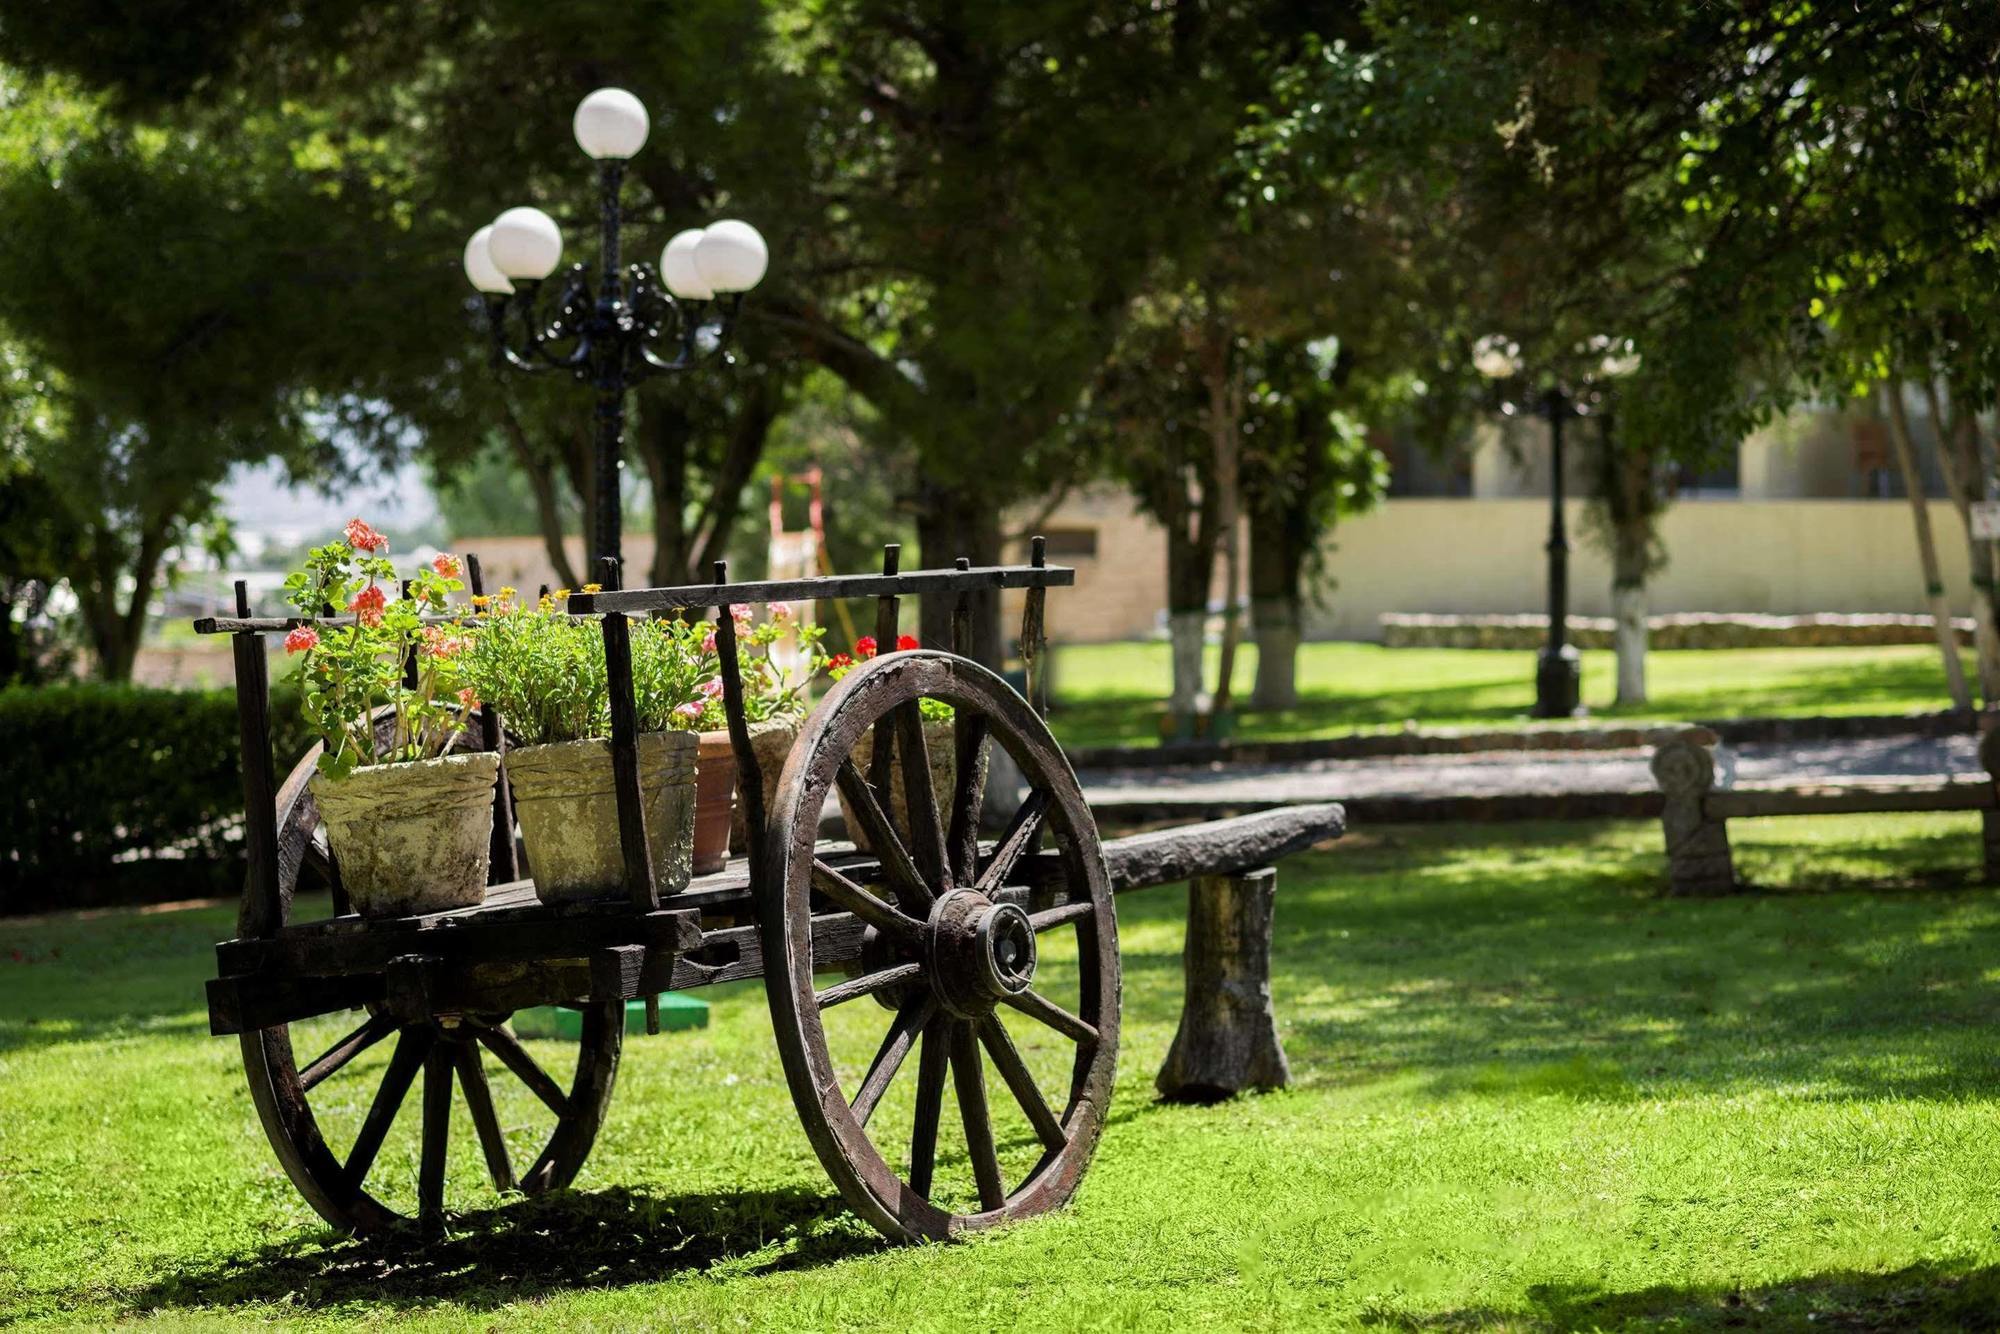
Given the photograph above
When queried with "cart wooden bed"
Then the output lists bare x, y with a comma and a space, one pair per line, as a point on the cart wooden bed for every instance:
939, 930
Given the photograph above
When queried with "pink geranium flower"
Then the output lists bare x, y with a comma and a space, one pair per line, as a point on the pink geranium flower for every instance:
712, 688
741, 615
301, 640
780, 611
468, 699
368, 604
691, 709
363, 538
708, 642
446, 564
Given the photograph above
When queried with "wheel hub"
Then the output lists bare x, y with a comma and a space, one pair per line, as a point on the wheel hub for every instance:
978, 951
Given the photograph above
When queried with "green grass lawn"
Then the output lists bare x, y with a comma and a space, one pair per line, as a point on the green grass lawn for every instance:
1112, 694
1530, 1092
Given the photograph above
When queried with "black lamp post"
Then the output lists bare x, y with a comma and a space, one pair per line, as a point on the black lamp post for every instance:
606, 338
1558, 670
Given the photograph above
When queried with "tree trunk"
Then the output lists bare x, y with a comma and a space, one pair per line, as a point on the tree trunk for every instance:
1191, 537
1275, 614
953, 520
1628, 610
1963, 479
542, 480
1920, 515
1225, 425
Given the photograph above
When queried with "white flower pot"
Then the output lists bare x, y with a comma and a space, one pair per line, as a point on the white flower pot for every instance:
566, 801
412, 838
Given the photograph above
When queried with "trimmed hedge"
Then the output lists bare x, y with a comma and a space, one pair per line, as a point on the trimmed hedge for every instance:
119, 793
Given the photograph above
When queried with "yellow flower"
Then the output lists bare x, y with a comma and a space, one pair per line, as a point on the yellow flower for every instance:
560, 594
508, 590
480, 600
593, 588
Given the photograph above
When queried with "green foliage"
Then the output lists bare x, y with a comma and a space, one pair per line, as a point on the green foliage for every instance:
544, 671
120, 791
352, 669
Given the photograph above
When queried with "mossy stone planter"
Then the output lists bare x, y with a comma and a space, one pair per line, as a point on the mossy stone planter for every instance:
771, 741
567, 803
939, 741
412, 838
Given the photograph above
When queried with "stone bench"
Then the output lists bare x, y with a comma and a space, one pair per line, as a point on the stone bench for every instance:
1228, 1036
1701, 798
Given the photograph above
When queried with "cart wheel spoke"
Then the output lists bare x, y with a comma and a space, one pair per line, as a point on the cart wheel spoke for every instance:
411, 1048
882, 837
336, 1057
437, 1136
842, 992
1061, 914
970, 1077
1007, 1060
1021, 833
863, 904
920, 798
515, 1057
930, 1104
911, 1021
968, 734
1037, 1006
479, 1103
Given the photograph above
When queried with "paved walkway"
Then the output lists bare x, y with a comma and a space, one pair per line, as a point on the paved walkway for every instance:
1517, 773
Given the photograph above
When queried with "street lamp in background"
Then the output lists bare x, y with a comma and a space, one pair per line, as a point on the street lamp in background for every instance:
1558, 683
606, 338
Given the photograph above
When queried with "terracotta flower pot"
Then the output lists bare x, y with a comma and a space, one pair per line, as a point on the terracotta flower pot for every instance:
412, 838
714, 802
771, 740
944, 773
568, 808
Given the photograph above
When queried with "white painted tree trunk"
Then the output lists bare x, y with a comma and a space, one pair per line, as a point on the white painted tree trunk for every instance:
1186, 629
1628, 610
1276, 621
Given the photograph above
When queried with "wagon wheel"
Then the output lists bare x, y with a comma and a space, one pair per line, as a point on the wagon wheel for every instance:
952, 948
445, 1053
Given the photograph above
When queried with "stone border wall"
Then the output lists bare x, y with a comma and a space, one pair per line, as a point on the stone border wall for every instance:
1681, 631
1467, 741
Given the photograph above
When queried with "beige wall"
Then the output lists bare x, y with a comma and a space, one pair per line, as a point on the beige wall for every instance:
1782, 557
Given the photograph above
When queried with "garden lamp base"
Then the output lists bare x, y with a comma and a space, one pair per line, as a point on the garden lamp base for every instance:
1558, 682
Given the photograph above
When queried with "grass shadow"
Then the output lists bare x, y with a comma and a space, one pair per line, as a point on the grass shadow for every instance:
528, 1248
1927, 1296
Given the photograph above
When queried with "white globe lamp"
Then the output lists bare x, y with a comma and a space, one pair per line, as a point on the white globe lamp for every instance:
731, 256
678, 269
525, 243
611, 124
479, 266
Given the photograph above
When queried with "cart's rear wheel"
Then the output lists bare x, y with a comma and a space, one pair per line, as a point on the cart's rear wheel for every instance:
359, 1092
958, 960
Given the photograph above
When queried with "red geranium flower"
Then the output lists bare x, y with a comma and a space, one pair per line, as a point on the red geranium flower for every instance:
906, 642
838, 662
368, 604
468, 699
446, 564
864, 647
301, 639
363, 538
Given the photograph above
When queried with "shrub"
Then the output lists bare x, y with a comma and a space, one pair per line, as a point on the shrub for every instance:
124, 793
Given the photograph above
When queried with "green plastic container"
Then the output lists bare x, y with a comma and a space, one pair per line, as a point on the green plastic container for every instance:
555, 1021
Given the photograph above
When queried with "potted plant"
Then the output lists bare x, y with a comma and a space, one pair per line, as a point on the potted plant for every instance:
938, 740
408, 818
774, 706
544, 670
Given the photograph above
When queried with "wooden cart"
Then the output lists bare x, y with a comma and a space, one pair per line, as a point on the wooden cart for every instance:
939, 935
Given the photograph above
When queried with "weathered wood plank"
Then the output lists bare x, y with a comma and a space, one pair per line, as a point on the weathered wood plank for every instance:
468, 939
1220, 847
1853, 798
913, 584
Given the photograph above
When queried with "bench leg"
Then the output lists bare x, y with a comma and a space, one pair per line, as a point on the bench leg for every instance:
1228, 1038
1698, 859
1989, 830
